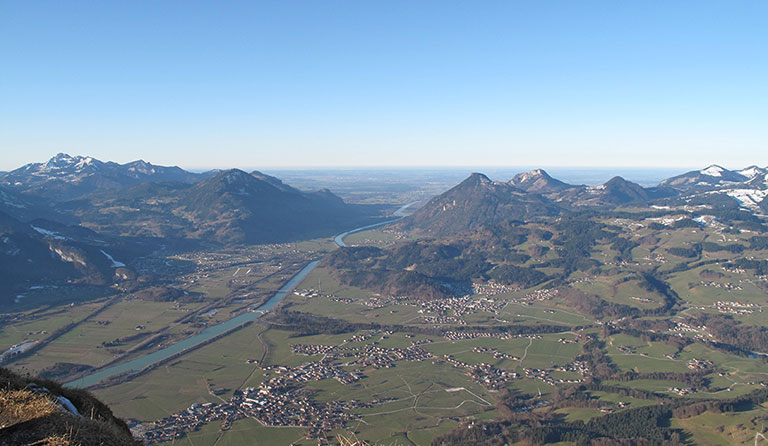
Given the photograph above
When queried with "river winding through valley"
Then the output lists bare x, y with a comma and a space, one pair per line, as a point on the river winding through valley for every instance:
138, 364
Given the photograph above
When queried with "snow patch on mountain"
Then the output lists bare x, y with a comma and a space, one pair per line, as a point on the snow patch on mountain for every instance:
83, 162
48, 233
749, 198
751, 171
115, 263
713, 171
71, 176
142, 166
667, 220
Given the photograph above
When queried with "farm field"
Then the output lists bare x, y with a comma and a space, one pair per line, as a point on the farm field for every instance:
191, 378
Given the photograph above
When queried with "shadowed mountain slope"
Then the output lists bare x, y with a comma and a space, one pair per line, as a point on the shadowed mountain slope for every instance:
475, 202
235, 206
38, 254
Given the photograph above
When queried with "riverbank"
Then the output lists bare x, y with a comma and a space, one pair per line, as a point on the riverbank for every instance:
135, 366
138, 364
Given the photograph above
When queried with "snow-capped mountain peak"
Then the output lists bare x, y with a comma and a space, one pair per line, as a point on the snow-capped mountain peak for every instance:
59, 161
63, 162
73, 176
713, 171
751, 171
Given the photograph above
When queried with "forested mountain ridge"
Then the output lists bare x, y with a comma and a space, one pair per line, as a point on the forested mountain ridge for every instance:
479, 201
475, 202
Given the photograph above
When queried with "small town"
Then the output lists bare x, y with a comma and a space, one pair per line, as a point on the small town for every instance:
278, 401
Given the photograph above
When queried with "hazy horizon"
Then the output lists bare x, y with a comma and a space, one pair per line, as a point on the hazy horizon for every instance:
309, 177
588, 175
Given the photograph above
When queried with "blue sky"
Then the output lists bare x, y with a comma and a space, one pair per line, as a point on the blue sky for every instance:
388, 83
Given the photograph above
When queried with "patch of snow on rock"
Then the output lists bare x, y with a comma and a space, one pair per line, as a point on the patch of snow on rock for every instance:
67, 404
115, 263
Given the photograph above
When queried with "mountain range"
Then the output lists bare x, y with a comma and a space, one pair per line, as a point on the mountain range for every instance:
66, 177
712, 177
478, 201
746, 188
60, 218
139, 199
78, 220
